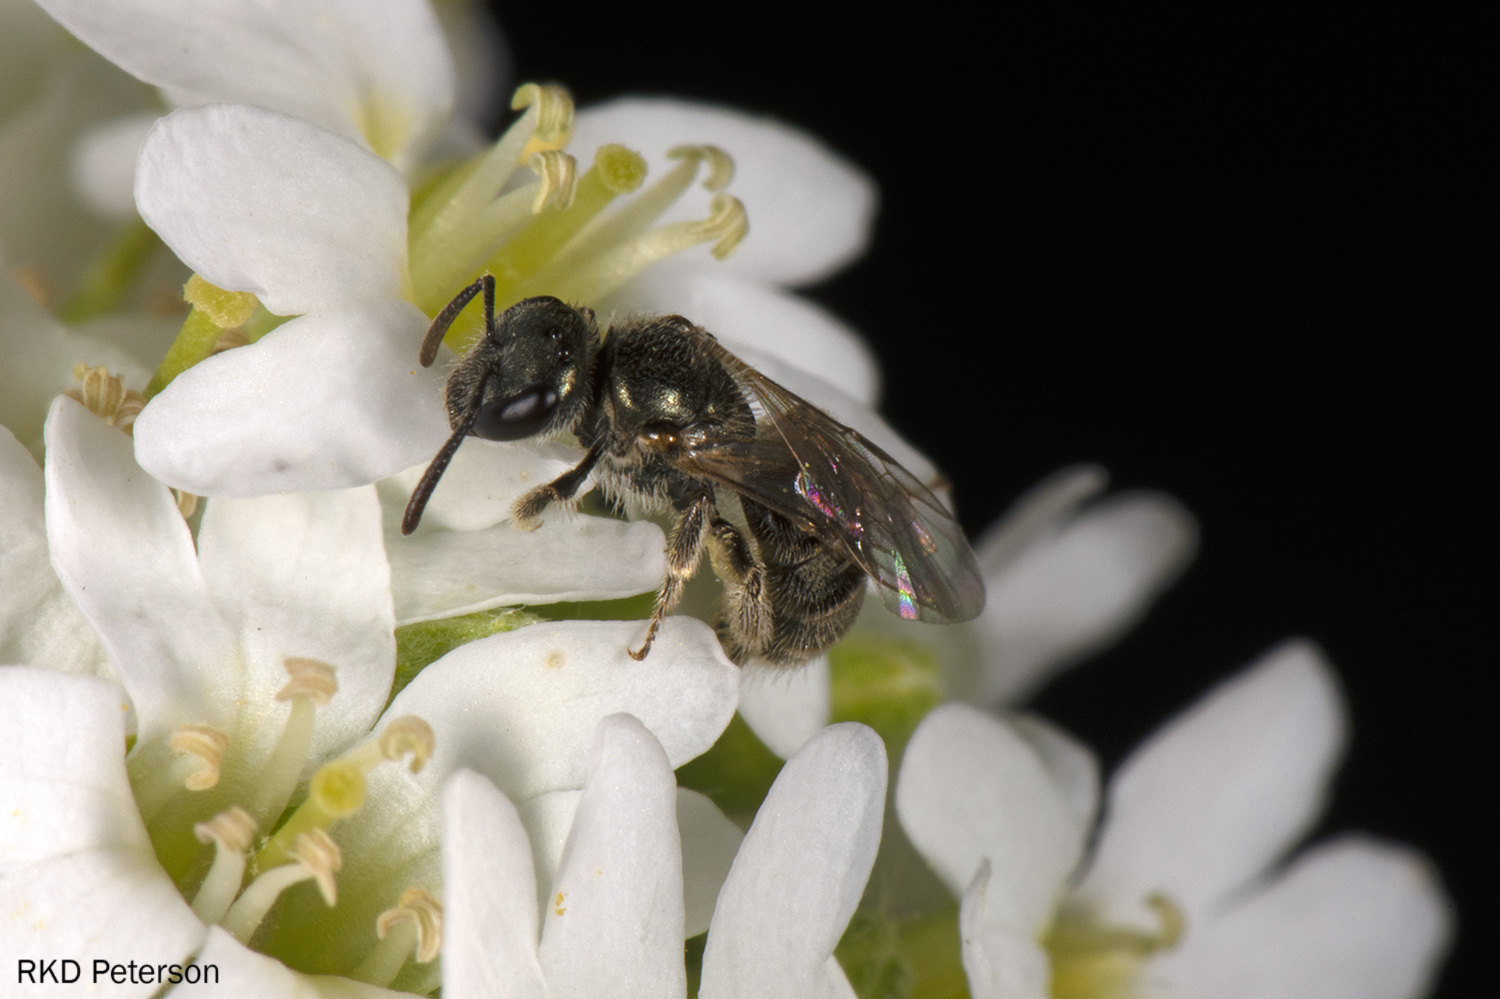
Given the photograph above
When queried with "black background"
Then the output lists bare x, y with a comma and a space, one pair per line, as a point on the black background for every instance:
1229, 259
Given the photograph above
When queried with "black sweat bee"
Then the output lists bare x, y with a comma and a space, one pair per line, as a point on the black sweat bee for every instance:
672, 421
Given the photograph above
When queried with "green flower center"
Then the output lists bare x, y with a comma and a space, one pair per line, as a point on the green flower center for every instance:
1091, 961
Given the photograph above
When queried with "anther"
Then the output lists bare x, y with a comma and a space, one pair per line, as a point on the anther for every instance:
205, 745
310, 678
415, 923
727, 222
408, 735
554, 109
106, 396
426, 912
317, 851
720, 164
559, 173
232, 832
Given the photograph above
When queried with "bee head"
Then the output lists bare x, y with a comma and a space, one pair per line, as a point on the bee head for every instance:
527, 375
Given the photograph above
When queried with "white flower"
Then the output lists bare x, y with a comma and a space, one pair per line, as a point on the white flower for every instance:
377, 72
1065, 574
253, 660
1184, 892
614, 921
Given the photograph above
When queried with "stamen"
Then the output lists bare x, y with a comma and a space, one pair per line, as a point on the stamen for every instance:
231, 832
416, 922
726, 227
311, 686
318, 857
605, 234
187, 503
106, 396
450, 206
311, 678
1104, 962
408, 734
206, 746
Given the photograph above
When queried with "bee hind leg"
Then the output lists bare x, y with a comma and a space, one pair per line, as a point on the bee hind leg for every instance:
746, 626
683, 552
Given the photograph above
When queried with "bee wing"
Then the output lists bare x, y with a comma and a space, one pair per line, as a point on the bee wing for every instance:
809, 467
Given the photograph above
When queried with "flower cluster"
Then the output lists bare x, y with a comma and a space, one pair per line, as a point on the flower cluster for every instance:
249, 730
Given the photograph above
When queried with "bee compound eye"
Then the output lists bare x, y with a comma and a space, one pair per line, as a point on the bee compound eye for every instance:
517, 416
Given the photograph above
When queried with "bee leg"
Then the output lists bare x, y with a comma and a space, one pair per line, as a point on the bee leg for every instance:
527, 514
683, 552
747, 625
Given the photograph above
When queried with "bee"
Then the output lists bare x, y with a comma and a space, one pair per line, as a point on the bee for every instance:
672, 421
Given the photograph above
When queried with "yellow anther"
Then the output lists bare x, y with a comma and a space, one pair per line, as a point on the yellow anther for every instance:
225, 308
728, 222
233, 829
106, 396
620, 170
554, 113
317, 851
310, 678
408, 734
425, 912
207, 745
187, 503
720, 164
559, 173
338, 788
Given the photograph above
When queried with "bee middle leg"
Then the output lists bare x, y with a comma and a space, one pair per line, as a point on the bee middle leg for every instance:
683, 552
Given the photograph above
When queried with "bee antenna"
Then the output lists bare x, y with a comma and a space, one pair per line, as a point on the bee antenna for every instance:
444, 319
423, 492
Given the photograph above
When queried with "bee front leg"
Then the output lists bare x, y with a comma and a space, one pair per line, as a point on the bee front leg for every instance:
747, 625
527, 514
683, 552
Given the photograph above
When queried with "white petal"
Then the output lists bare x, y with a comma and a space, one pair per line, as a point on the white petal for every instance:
39, 357
39, 623
240, 971
1038, 515
745, 313
481, 483
78, 877
800, 871
614, 925
260, 202
521, 707
1070, 594
810, 209
785, 707
1072, 767
124, 554
305, 575
103, 164
326, 401
1351, 919
332, 62
709, 844
442, 573
490, 924
1211, 799
999, 961
972, 789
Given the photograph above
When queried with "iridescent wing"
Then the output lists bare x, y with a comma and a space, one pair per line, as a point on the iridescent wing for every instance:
820, 474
